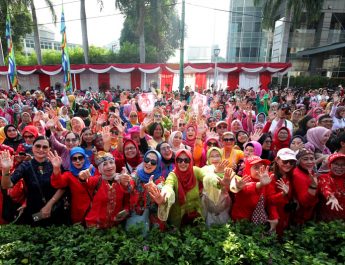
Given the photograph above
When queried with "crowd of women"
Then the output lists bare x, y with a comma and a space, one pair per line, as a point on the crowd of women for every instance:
271, 158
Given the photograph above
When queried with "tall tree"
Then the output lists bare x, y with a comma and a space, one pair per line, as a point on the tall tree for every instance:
20, 22
308, 11
83, 22
161, 30
50, 5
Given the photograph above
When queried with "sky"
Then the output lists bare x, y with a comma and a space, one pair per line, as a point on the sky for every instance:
205, 27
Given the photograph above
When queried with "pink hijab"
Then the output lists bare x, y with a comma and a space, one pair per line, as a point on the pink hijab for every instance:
314, 136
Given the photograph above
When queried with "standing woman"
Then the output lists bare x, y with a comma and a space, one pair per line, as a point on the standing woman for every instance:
332, 189
182, 184
305, 186
168, 158
266, 143
42, 198
87, 138
13, 138
80, 197
140, 201
281, 139
175, 141
77, 125
282, 198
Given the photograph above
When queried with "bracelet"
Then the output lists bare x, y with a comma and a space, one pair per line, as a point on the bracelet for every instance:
312, 187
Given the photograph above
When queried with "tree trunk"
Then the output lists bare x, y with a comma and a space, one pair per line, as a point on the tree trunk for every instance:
84, 31
141, 32
36, 34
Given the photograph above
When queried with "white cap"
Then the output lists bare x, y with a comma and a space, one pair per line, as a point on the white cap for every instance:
286, 154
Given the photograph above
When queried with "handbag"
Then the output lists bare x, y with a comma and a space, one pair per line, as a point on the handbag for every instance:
61, 209
141, 221
259, 215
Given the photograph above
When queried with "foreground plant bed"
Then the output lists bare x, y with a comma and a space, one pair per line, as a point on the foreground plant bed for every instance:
241, 243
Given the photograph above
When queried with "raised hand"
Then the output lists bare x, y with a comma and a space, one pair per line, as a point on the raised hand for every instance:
221, 166
125, 178
282, 186
85, 174
228, 175
334, 203
272, 115
240, 184
6, 160
265, 179
256, 135
119, 126
101, 119
106, 134
55, 159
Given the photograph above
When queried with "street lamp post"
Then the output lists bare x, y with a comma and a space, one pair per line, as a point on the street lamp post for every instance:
216, 54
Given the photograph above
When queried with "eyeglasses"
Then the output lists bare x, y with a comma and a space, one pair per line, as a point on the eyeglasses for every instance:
291, 162
157, 116
222, 127
43, 147
211, 120
131, 148
152, 161
133, 116
228, 140
181, 124
115, 132
212, 144
166, 148
180, 160
70, 140
28, 136
77, 158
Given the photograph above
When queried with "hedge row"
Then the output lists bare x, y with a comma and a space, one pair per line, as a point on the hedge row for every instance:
240, 243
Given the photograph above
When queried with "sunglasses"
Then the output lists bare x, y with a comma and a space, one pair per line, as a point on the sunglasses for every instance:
181, 124
152, 161
44, 147
77, 158
222, 127
28, 136
183, 160
133, 116
291, 162
115, 132
228, 140
212, 144
211, 120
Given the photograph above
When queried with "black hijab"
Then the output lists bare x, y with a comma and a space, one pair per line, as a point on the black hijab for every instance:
12, 142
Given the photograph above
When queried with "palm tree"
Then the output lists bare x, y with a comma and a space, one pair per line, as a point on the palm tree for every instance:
84, 31
297, 10
31, 3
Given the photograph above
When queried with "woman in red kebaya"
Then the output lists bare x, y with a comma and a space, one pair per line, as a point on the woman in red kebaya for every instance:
304, 185
282, 198
332, 189
79, 162
253, 192
110, 204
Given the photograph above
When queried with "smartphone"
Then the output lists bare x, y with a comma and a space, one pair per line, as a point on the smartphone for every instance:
37, 216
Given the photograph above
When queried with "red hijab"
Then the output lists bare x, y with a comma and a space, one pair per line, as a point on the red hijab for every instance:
135, 161
190, 142
277, 144
186, 180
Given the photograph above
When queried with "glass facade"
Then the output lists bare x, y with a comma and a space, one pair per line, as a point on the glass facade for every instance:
247, 41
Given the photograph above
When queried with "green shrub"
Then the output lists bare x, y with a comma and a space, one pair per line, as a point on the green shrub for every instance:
239, 243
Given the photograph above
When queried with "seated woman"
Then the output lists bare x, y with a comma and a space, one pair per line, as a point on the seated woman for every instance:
252, 193
216, 201
41, 196
80, 196
110, 203
332, 189
140, 201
